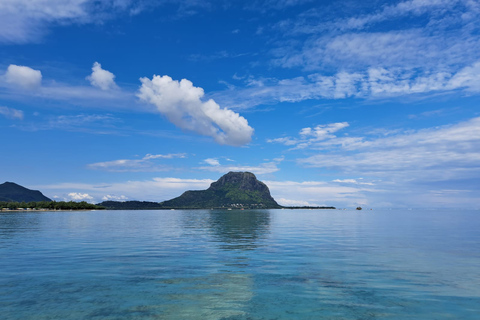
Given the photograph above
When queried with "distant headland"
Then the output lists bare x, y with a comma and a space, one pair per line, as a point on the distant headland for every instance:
16, 197
234, 190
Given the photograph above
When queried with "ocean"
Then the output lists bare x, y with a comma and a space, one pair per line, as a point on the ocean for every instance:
252, 264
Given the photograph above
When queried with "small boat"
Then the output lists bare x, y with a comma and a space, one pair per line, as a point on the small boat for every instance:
359, 208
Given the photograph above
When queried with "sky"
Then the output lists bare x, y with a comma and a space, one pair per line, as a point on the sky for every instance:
342, 103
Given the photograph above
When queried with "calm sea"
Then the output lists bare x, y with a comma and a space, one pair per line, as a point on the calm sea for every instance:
266, 264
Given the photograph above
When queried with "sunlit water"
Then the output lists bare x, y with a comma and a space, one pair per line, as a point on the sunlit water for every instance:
277, 264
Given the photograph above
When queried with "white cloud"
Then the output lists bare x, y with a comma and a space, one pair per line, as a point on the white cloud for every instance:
263, 168
91, 123
101, 78
377, 54
24, 77
109, 197
410, 7
323, 131
24, 21
136, 165
164, 156
11, 113
317, 193
353, 181
435, 154
373, 83
309, 137
182, 104
22, 83
212, 162
407, 168
75, 196
156, 189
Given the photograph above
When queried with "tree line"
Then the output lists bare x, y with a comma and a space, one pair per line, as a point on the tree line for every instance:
49, 205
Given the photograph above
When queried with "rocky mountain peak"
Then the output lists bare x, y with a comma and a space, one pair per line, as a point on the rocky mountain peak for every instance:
245, 181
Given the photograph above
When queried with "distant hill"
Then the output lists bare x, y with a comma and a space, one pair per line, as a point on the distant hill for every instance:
12, 192
233, 190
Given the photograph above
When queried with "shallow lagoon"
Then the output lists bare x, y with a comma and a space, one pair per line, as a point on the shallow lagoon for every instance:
265, 264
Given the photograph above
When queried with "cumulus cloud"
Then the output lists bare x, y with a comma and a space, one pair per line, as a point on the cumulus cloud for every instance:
182, 104
11, 113
76, 196
24, 77
102, 78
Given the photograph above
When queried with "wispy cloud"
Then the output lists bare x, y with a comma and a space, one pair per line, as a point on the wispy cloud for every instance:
373, 83
214, 165
406, 167
309, 136
25, 21
144, 164
318, 193
11, 113
91, 123
434, 154
156, 189
374, 55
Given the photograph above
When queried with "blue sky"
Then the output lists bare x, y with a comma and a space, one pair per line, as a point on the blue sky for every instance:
344, 103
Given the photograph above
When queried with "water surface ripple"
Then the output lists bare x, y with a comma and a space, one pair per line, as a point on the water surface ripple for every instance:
264, 264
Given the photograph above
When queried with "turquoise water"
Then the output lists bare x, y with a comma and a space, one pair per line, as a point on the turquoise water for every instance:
268, 264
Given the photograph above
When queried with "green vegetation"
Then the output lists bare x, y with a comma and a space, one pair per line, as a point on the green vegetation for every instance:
130, 205
233, 190
49, 205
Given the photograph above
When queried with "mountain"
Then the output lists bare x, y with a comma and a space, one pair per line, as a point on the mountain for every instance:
233, 190
10, 191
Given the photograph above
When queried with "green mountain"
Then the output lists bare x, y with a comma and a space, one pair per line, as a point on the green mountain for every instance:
233, 190
12, 192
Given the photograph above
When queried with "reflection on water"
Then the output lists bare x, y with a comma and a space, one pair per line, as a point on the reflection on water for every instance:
213, 264
239, 230
225, 293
